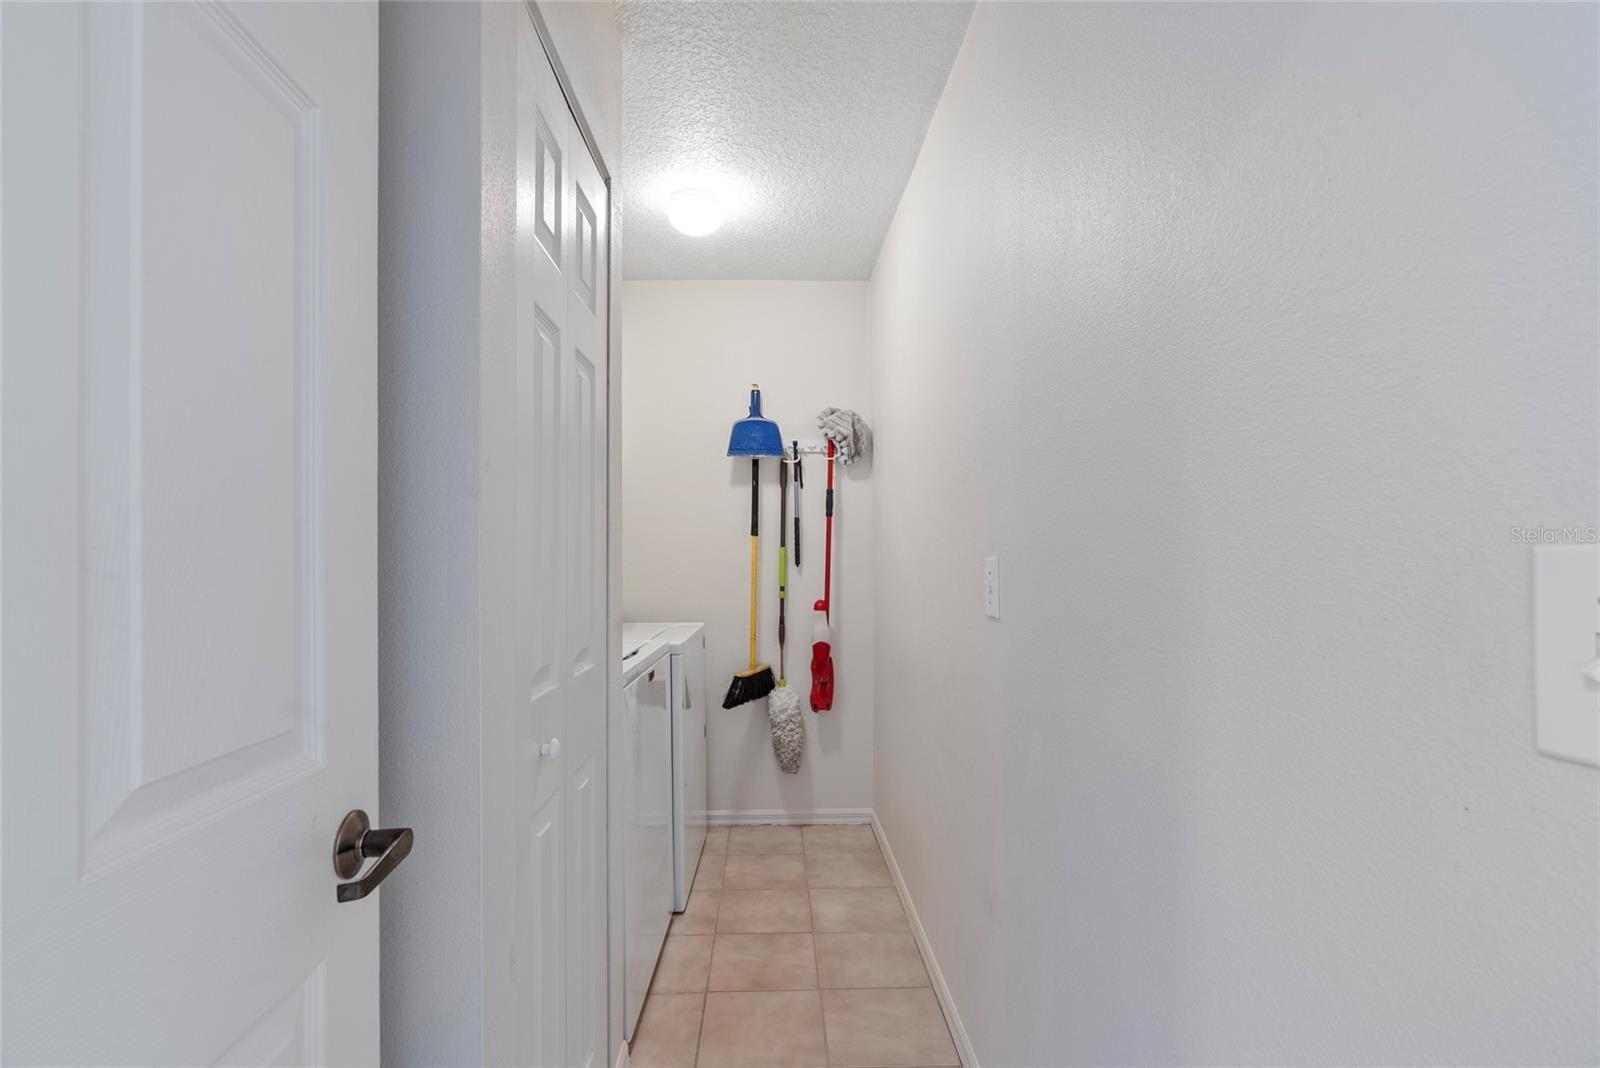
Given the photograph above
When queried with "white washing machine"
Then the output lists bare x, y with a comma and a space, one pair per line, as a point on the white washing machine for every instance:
645, 815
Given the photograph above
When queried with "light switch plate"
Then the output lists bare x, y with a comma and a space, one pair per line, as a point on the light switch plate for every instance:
1566, 641
991, 587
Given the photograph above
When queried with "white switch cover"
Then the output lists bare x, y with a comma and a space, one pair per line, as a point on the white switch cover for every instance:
991, 586
1566, 645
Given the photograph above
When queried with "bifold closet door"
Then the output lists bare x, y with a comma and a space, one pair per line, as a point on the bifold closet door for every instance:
562, 218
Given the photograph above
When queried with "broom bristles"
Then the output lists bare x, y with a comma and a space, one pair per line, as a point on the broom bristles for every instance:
749, 685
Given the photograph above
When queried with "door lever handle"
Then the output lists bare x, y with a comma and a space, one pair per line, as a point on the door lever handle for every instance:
356, 840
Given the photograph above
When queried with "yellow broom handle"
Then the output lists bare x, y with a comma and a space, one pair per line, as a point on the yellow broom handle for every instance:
755, 557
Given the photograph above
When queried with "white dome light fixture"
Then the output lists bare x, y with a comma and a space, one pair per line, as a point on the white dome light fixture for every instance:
696, 212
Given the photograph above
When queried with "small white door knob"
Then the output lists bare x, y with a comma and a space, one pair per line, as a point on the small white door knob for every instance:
551, 749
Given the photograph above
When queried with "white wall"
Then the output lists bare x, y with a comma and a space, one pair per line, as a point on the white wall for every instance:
693, 348
447, 332
429, 683
1243, 335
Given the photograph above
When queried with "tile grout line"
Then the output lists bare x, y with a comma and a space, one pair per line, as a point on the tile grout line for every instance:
816, 955
816, 958
700, 1032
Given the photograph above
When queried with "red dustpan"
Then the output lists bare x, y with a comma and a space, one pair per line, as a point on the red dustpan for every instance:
821, 641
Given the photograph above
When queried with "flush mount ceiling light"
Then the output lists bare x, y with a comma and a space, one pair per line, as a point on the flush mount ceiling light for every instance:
695, 212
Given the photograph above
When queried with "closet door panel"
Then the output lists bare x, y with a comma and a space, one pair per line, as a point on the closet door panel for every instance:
562, 212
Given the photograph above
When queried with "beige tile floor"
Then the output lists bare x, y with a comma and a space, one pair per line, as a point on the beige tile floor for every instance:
793, 953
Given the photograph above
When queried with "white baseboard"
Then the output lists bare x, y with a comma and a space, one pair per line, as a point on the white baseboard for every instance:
733, 817
941, 989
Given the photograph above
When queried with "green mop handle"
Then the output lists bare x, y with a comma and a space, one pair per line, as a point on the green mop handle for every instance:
783, 560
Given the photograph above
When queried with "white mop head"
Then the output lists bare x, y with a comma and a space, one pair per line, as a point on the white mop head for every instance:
849, 433
788, 727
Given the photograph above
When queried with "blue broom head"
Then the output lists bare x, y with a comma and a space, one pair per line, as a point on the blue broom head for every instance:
755, 435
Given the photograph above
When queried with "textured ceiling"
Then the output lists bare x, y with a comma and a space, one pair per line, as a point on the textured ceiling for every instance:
805, 116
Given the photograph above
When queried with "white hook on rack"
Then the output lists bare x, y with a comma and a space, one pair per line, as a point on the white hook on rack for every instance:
814, 447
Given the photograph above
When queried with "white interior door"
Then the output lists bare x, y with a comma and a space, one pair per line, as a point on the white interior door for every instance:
562, 218
189, 265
